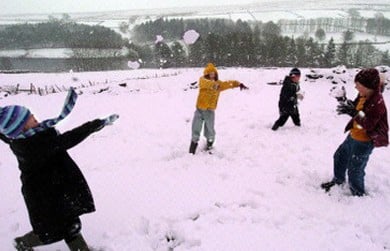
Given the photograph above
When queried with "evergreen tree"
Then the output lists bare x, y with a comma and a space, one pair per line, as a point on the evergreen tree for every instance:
215, 49
320, 34
232, 50
342, 54
360, 55
179, 55
163, 55
124, 27
313, 52
348, 36
271, 30
257, 46
330, 54
291, 57
301, 52
146, 54
245, 45
271, 35
197, 53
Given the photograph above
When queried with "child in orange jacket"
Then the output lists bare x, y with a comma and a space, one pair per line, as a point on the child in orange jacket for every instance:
209, 89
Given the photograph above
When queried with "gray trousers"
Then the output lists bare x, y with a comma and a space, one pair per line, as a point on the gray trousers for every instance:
208, 117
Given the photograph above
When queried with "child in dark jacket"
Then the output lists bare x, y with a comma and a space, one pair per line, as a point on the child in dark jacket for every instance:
368, 128
288, 100
54, 189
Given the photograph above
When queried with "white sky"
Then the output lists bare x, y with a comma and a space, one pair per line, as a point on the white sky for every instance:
70, 6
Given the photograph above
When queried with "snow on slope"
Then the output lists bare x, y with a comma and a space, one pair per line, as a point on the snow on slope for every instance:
259, 191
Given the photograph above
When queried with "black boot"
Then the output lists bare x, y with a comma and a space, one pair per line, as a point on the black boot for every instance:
193, 147
275, 127
77, 244
328, 185
27, 242
209, 145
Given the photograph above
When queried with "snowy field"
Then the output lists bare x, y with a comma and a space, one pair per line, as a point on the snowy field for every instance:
258, 191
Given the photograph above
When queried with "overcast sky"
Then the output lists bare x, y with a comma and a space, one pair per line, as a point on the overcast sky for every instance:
69, 6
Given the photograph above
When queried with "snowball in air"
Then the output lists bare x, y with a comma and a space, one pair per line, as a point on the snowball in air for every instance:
159, 38
190, 36
133, 64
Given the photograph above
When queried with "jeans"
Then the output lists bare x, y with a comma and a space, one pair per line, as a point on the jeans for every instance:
352, 156
207, 117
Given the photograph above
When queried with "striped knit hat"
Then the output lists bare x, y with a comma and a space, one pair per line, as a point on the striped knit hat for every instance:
13, 119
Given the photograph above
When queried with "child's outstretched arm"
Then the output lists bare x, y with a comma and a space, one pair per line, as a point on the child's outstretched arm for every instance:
73, 137
224, 85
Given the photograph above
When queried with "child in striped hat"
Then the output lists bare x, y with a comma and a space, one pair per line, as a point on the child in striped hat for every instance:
54, 189
13, 120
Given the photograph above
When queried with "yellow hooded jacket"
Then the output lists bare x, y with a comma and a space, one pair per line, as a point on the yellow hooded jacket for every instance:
209, 89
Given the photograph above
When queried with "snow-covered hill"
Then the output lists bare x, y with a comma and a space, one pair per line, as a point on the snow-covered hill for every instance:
261, 10
259, 191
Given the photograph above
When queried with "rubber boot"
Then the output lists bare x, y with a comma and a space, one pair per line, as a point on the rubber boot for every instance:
27, 242
209, 145
77, 244
193, 147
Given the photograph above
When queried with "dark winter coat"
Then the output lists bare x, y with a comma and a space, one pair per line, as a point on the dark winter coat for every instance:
53, 187
288, 97
374, 120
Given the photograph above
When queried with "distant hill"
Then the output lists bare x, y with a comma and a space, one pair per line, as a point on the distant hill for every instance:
261, 11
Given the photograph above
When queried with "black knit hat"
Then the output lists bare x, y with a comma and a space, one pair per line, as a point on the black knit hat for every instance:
295, 71
369, 78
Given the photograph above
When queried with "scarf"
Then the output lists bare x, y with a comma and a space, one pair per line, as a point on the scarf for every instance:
69, 103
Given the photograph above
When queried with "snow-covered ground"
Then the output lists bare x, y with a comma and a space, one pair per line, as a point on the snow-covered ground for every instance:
258, 191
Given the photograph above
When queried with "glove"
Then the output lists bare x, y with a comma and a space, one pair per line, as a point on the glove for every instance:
341, 99
347, 108
110, 119
243, 87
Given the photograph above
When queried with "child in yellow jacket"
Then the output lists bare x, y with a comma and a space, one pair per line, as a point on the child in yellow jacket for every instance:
209, 89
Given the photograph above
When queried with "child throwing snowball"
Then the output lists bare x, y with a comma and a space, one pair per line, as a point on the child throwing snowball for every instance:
288, 100
209, 89
54, 189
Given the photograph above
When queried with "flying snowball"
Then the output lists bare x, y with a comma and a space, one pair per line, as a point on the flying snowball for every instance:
190, 36
159, 39
133, 64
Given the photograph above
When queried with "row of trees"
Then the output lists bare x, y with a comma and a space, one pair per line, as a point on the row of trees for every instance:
376, 26
174, 28
58, 33
243, 44
221, 41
